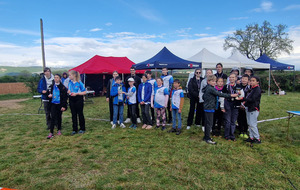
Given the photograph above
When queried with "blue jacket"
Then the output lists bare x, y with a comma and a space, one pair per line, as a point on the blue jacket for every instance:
114, 93
42, 86
147, 94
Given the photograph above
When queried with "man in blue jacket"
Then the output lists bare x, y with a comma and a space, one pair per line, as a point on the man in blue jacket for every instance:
43, 87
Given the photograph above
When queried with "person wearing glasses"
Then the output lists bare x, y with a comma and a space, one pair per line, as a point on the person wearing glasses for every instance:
193, 89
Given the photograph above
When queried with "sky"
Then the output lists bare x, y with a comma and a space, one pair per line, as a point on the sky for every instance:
75, 31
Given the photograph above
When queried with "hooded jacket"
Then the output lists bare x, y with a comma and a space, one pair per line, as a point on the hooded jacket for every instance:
210, 97
252, 100
114, 93
62, 92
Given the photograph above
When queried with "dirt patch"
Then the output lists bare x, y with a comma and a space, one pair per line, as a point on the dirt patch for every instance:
12, 104
13, 88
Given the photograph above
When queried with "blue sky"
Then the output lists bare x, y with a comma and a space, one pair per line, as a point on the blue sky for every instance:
77, 30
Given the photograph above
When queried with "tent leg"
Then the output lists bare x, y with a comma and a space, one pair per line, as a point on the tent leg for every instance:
269, 85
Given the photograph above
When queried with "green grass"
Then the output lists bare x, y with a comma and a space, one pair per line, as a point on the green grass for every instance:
15, 96
138, 159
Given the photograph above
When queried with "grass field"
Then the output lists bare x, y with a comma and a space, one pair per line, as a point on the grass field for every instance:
103, 158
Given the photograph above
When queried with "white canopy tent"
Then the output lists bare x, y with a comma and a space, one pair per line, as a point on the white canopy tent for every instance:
245, 62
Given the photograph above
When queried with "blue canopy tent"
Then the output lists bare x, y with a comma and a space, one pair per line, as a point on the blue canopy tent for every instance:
275, 65
167, 59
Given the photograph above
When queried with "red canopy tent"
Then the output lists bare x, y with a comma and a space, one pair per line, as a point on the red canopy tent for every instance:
106, 65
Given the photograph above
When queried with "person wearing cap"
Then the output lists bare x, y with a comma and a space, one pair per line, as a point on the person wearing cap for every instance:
249, 71
235, 71
131, 102
137, 82
43, 87
220, 73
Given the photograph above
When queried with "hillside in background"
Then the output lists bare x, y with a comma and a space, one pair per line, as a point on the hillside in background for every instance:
15, 71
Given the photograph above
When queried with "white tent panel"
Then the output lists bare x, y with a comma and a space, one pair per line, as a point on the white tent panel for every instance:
245, 62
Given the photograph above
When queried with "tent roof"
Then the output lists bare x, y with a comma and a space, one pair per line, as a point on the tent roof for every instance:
106, 65
167, 59
245, 62
209, 60
275, 65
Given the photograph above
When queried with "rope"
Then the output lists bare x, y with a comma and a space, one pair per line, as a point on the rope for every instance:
275, 81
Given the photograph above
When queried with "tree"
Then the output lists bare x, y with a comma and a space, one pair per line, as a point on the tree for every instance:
257, 40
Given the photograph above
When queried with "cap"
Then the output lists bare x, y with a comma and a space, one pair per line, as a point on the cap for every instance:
130, 80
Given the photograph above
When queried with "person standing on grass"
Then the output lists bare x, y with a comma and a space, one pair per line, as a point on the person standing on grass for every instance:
203, 84
153, 84
220, 73
58, 98
118, 96
176, 106
231, 107
144, 98
242, 119
64, 77
43, 87
76, 91
218, 115
168, 83
210, 103
194, 89
252, 102
159, 101
131, 102
235, 71
137, 82
109, 99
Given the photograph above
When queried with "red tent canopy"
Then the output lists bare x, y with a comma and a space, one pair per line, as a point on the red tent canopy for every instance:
106, 65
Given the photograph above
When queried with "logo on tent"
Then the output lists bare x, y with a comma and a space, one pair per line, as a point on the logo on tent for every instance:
150, 65
190, 65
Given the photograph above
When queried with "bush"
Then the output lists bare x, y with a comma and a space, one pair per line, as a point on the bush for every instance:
32, 83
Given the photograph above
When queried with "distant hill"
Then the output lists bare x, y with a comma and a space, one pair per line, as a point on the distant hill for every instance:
15, 71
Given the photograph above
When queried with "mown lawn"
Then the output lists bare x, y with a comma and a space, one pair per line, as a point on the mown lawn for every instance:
103, 158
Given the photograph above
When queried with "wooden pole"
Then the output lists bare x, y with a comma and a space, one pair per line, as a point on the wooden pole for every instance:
42, 44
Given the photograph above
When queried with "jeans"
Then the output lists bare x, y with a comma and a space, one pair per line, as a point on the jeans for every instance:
76, 106
174, 114
252, 122
194, 103
209, 119
146, 114
230, 117
132, 112
55, 117
47, 113
118, 109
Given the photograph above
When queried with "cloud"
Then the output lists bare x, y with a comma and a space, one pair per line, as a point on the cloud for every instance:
207, 28
108, 24
19, 31
95, 29
239, 18
292, 7
265, 6
201, 35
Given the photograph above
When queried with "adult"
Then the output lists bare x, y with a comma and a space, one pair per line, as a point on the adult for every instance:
137, 82
43, 87
203, 84
220, 73
168, 83
109, 99
193, 90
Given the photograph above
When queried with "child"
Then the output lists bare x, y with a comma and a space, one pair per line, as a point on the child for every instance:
167, 82
144, 98
118, 96
252, 101
218, 116
58, 99
210, 102
154, 84
177, 101
159, 101
231, 107
242, 120
131, 100
76, 92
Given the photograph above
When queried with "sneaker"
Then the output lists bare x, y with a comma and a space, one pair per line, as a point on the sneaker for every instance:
81, 132
157, 127
246, 136
178, 132
257, 141
50, 136
203, 129
113, 126
58, 132
144, 126
249, 140
172, 130
210, 142
149, 127
163, 128
128, 120
111, 122
188, 127
134, 127
122, 125
73, 133
138, 120
131, 126
242, 135
233, 139
118, 122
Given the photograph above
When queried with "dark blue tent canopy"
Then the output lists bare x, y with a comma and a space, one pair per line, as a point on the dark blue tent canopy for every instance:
274, 64
167, 59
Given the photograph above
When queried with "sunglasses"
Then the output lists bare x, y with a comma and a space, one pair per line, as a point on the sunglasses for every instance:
198, 72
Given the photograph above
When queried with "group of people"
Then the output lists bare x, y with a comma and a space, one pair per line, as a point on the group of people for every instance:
217, 100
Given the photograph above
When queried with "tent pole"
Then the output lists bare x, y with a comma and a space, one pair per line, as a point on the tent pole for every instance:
123, 77
269, 85
294, 80
155, 73
84, 78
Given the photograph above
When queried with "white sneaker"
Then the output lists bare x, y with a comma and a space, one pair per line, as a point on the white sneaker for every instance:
138, 120
118, 122
122, 125
198, 125
111, 122
203, 129
113, 126
188, 127
128, 120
